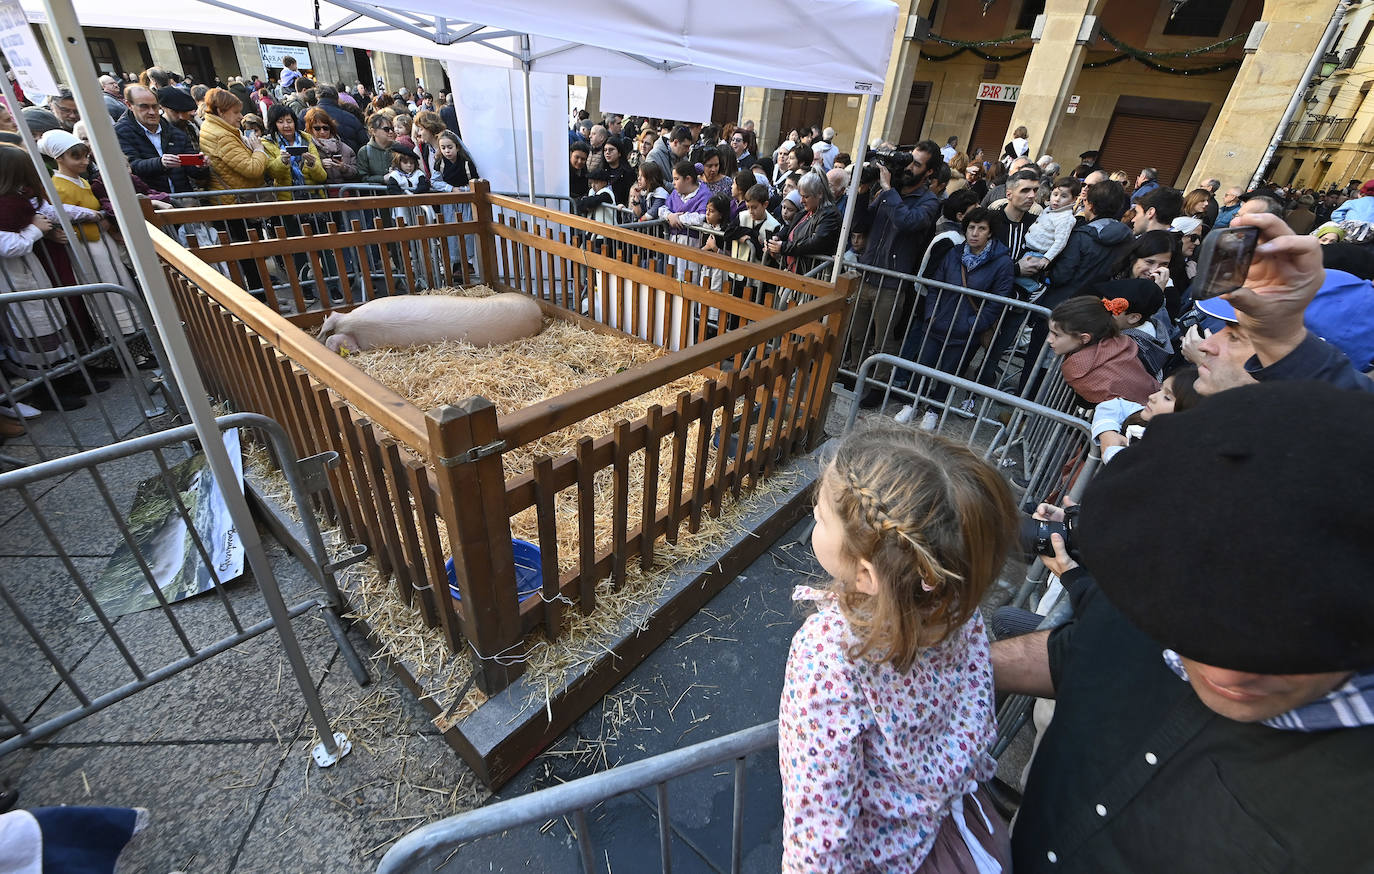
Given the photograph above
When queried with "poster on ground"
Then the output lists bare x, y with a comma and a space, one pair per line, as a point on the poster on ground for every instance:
164, 540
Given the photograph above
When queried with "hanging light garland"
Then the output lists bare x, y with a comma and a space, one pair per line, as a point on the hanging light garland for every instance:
1126, 53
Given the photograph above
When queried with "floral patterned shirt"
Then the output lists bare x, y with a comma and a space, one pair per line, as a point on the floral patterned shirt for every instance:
872, 759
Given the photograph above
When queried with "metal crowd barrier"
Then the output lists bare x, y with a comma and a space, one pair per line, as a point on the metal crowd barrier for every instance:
1059, 454
578, 797
54, 644
65, 343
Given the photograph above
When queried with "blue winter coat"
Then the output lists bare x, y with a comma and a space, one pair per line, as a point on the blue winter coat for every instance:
957, 317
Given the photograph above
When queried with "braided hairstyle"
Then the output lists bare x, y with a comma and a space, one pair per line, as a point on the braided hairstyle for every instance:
935, 521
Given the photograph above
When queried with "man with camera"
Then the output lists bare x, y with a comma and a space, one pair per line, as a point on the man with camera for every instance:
1227, 679
901, 215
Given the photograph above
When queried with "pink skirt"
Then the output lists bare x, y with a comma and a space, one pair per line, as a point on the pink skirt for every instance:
951, 855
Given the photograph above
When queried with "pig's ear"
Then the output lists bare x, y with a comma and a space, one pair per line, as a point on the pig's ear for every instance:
327, 327
338, 343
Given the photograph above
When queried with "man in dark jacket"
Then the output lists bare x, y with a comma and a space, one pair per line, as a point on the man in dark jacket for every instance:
1213, 703
902, 213
351, 130
152, 144
448, 114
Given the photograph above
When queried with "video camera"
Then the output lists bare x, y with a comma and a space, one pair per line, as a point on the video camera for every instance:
898, 163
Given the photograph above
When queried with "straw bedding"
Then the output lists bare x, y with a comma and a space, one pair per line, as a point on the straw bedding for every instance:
562, 357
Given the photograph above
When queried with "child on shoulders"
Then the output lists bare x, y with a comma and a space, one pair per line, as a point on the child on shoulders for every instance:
1050, 233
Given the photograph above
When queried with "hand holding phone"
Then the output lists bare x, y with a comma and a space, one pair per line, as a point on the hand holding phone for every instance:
1224, 260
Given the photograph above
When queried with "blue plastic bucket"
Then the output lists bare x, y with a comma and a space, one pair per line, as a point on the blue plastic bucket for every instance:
529, 573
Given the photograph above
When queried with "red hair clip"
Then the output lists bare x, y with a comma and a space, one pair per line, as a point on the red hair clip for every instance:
1117, 306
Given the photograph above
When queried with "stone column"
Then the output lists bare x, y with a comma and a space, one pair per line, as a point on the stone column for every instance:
1263, 86
162, 45
763, 106
432, 72
593, 106
890, 111
249, 57
389, 67
1051, 72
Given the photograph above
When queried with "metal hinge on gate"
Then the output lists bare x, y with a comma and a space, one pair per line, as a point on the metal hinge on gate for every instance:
314, 471
477, 452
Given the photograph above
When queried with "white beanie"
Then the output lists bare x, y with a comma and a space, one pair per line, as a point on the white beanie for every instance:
56, 142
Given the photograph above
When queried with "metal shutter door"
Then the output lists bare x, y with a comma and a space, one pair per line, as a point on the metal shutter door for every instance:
1136, 141
994, 117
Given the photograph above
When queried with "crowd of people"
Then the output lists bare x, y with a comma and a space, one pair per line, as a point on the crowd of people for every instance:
178, 138
1214, 693
1198, 682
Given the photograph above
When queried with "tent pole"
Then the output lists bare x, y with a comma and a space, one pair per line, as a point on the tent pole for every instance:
75, 56
856, 170
525, 64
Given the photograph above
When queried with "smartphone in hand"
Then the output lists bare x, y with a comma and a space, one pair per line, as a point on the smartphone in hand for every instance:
1224, 260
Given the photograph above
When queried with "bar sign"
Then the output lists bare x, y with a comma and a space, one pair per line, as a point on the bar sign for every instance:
1002, 93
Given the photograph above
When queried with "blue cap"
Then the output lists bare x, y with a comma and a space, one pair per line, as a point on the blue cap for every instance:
1219, 308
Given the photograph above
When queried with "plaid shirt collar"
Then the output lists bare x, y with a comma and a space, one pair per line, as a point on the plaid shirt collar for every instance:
1349, 706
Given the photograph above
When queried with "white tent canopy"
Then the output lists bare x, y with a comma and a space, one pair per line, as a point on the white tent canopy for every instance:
836, 46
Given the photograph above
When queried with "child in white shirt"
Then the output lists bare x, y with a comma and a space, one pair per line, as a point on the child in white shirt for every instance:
1050, 233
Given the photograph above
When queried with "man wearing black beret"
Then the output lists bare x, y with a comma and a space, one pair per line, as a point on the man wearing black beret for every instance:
1215, 688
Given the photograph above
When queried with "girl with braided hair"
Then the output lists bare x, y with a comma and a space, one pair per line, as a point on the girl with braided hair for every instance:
887, 711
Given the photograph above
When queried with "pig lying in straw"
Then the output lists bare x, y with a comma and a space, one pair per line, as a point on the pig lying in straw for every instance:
413, 320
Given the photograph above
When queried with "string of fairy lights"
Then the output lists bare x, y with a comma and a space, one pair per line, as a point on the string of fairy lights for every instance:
1125, 52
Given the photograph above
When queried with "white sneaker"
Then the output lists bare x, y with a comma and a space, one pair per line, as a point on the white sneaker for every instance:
967, 406
20, 410
929, 421
905, 415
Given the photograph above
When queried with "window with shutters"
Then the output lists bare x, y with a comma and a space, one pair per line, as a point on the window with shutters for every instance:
915, 119
725, 107
104, 55
1198, 18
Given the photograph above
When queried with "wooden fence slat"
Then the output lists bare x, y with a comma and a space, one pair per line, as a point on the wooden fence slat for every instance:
653, 444
711, 399
620, 504
427, 513
545, 497
586, 523
399, 490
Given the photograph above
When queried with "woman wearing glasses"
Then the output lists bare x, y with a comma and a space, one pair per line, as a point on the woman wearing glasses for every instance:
374, 158
340, 161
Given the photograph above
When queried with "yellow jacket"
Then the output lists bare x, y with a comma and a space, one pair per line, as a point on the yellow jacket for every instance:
232, 164
280, 170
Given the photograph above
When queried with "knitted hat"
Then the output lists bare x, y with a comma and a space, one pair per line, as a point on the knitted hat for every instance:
1330, 228
57, 142
1258, 553
1367, 188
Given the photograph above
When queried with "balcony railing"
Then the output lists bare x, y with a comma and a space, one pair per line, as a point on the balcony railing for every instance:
1317, 129
1349, 56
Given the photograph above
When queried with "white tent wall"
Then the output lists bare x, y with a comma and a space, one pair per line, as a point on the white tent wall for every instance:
491, 112
818, 45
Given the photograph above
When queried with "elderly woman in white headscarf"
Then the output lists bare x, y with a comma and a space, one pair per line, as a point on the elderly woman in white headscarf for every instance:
1189, 227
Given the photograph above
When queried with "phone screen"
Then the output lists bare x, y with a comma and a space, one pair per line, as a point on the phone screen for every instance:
1224, 261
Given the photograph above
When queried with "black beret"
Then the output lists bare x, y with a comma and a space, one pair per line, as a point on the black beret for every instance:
598, 172
1241, 533
175, 99
1142, 296
403, 149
